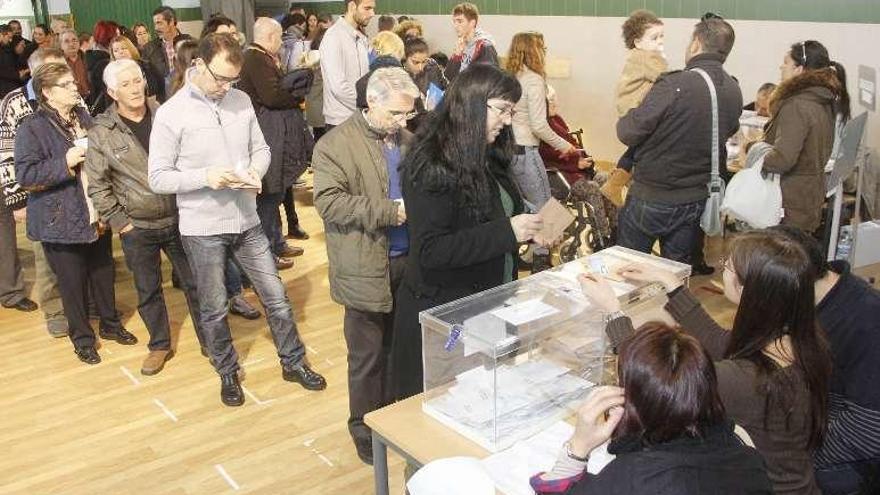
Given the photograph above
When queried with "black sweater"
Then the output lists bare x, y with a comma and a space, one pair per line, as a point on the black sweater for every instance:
850, 316
716, 464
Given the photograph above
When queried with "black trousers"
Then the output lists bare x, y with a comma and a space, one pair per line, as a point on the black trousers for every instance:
290, 209
80, 268
368, 338
142, 248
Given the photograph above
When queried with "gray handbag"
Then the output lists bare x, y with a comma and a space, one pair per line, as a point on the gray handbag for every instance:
711, 222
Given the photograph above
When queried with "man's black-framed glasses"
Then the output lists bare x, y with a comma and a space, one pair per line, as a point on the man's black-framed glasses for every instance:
220, 79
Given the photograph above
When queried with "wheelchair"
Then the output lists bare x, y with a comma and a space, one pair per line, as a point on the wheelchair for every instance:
583, 236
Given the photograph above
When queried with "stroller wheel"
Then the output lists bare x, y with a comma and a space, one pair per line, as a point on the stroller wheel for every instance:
568, 251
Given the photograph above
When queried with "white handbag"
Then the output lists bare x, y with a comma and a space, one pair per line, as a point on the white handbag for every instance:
752, 198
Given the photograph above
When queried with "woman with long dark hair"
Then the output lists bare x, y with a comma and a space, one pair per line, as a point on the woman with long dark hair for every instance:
774, 366
804, 109
464, 211
667, 428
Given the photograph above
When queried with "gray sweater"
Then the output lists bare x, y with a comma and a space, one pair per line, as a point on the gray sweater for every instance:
192, 134
344, 60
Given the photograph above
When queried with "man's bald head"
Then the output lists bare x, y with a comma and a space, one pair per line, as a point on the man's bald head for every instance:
267, 34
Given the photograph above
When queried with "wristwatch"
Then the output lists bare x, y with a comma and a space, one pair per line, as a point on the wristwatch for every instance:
609, 317
573, 457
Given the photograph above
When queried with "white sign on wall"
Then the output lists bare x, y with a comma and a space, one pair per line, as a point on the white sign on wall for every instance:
16, 8
182, 4
867, 87
58, 7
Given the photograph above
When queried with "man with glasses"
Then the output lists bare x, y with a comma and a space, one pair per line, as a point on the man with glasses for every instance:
116, 164
357, 193
283, 127
672, 130
207, 148
76, 61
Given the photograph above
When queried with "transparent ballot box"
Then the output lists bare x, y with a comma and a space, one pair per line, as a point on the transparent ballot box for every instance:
504, 364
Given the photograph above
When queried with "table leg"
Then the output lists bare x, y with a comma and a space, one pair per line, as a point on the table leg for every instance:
380, 465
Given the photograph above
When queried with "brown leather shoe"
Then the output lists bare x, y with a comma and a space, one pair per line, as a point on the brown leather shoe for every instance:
155, 361
283, 263
291, 252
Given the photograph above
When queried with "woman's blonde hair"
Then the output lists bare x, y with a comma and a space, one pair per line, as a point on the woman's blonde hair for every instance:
388, 43
526, 50
132, 50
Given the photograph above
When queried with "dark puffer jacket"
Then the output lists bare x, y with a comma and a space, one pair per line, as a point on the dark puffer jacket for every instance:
57, 211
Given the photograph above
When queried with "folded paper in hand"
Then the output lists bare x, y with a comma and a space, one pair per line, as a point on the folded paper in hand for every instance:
556, 219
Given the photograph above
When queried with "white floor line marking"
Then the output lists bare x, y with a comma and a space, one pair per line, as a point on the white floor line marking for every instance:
252, 362
254, 397
311, 349
329, 362
326, 461
108, 351
165, 410
129, 375
309, 442
226, 477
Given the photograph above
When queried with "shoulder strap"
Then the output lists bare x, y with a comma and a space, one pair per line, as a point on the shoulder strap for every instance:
716, 155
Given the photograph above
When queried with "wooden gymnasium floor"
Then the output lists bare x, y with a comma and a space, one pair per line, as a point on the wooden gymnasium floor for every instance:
69, 428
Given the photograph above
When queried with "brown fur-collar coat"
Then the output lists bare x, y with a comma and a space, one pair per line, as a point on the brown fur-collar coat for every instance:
801, 131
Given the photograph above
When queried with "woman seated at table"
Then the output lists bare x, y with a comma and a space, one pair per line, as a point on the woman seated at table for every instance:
667, 426
774, 366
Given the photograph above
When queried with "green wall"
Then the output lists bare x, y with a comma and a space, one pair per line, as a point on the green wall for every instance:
86, 12
857, 11
127, 12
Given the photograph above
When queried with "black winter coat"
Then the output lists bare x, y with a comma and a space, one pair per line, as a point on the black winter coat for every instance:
672, 130
280, 118
718, 464
451, 255
99, 101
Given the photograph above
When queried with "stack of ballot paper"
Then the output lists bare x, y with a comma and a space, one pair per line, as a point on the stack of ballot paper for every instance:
510, 402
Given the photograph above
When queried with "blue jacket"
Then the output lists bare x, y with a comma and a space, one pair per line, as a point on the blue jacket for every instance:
57, 211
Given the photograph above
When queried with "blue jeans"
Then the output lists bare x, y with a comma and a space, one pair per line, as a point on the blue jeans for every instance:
530, 175
270, 217
677, 227
207, 255
233, 280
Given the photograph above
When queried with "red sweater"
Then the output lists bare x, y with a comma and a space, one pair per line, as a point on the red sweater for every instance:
552, 157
